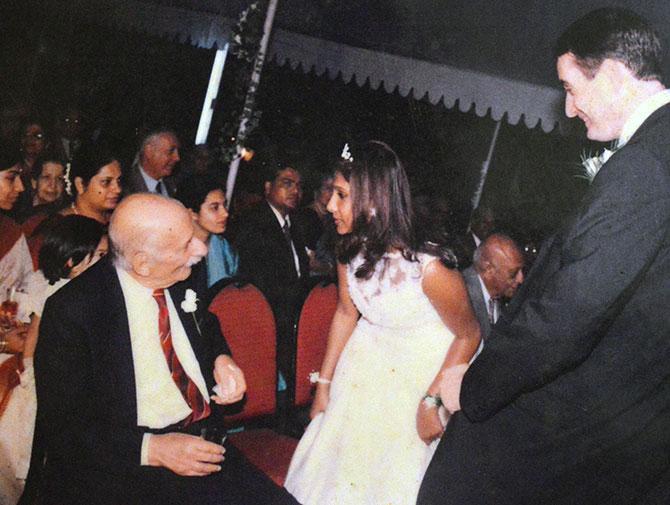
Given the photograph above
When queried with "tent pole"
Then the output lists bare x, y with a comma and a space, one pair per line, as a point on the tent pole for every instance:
210, 96
485, 167
249, 100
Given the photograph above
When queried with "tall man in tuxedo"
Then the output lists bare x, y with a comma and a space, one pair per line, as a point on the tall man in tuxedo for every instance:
272, 255
493, 278
130, 371
569, 402
154, 164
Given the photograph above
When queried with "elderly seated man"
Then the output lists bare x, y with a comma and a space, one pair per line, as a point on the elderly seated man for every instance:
131, 372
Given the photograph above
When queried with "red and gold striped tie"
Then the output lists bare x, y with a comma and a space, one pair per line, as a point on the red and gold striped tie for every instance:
190, 392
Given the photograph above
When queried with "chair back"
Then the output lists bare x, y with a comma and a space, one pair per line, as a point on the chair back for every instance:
312, 336
247, 323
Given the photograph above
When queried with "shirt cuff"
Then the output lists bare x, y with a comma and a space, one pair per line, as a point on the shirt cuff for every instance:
144, 452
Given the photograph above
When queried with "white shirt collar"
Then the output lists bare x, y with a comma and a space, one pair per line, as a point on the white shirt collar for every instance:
639, 115
279, 217
148, 180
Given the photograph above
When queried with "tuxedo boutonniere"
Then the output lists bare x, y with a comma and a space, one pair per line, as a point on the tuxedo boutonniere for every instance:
190, 304
591, 165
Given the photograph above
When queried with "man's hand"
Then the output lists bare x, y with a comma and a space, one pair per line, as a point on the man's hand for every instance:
184, 454
15, 338
450, 387
229, 380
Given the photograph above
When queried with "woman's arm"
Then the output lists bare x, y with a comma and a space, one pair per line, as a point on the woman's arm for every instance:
343, 324
447, 292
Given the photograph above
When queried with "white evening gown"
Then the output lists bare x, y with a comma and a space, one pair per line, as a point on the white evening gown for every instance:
364, 449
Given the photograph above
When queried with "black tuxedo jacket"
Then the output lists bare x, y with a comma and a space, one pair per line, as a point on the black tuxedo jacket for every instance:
267, 260
87, 413
569, 402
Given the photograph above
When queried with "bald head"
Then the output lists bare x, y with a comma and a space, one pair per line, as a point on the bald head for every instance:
499, 262
151, 237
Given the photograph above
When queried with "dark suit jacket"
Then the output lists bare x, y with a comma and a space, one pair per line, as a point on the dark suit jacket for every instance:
87, 414
569, 402
476, 296
133, 182
267, 260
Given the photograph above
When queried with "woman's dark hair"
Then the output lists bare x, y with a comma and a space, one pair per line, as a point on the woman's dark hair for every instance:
381, 206
193, 191
9, 156
48, 156
90, 160
71, 237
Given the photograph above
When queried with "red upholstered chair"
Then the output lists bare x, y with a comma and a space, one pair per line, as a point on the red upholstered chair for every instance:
247, 322
312, 336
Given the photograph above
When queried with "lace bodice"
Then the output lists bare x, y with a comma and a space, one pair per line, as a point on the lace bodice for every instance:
393, 297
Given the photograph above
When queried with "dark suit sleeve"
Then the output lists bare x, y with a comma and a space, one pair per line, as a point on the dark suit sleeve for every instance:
600, 259
70, 405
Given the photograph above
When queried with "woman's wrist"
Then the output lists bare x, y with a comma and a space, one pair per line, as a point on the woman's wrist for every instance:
316, 378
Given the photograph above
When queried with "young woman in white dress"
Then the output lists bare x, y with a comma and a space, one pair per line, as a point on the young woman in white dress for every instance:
402, 319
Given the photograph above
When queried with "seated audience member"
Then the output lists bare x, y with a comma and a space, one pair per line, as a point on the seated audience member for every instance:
493, 278
70, 247
203, 196
15, 268
95, 180
154, 163
15, 262
68, 131
32, 142
274, 258
129, 377
48, 187
314, 222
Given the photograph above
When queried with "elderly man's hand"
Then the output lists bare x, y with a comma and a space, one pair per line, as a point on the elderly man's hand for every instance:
230, 381
15, 338
184, 454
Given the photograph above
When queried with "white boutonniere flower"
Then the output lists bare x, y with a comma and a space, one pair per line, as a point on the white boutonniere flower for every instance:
592, 164
190, 302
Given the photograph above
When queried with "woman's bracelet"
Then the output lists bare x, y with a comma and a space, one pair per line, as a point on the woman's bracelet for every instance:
430, 401
314, 378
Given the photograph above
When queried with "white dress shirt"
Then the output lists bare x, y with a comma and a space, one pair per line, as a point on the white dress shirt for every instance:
151, 182
159, 400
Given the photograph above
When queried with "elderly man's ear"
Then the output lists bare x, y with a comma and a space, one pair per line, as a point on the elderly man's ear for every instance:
141, 263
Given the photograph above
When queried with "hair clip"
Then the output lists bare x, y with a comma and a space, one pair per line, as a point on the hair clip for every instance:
68, 180
346, 154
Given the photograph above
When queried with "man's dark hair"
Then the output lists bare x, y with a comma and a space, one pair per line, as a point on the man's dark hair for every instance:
618, 34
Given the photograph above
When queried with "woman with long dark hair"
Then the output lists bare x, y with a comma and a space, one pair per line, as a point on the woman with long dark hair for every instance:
402, 317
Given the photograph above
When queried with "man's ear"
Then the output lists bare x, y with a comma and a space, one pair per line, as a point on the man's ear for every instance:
267, 186
194, 215
141, 264
33, 183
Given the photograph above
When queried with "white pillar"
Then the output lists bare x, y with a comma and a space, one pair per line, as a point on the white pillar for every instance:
210, 96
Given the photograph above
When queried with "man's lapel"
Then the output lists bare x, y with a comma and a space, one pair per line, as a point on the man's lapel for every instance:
116, 356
